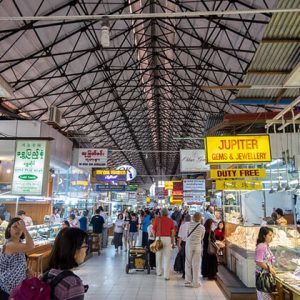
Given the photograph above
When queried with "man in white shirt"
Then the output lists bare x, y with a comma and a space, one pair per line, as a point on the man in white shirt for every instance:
3, 223
27, 220
193, 251
182, 236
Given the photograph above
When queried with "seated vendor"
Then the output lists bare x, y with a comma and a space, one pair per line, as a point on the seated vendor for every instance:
280, 219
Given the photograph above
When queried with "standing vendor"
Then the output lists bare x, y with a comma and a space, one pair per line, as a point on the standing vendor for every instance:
27, 220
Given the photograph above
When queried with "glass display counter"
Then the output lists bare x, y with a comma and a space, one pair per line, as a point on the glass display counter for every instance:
44, 234
240, 249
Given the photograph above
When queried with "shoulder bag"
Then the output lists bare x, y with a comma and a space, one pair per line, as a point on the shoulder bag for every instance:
193, 230
265, 282
157, 245
212, 248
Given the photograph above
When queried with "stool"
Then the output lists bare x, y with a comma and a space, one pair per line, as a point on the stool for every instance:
35, 263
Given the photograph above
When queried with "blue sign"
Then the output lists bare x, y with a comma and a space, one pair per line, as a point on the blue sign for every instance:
110, 188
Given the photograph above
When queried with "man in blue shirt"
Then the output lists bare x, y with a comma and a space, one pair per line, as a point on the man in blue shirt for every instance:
145, 224
83, 221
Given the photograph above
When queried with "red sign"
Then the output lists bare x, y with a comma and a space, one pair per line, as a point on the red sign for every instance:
177, 188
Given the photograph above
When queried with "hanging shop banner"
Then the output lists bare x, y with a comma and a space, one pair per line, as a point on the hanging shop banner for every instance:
31, 167
237, 149
194, 196
237, 173
168, 185
101, 188
193, 161
93, 158
194, 185
110, 175
130, 172
80, 182
148, 200
175, 200
132, 188
222, 185
177, 188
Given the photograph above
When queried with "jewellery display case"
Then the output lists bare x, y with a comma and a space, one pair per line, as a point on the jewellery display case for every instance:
241, 244
44, 233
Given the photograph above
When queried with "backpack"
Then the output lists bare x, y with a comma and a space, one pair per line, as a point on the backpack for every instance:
36, 289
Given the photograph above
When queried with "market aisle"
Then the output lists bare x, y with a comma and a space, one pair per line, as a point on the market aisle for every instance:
107, 279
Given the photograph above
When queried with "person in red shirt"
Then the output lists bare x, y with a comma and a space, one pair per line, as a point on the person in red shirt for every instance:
164, 228
220, 231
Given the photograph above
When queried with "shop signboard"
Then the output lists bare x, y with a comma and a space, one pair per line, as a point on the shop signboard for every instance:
193, 160
110, 175
194, 185
132, 187
176, 200
31, 167
168, 185
237, 149
177, 188
92, 158
194, 196
238, 185
237, 173
110, 188
130, 172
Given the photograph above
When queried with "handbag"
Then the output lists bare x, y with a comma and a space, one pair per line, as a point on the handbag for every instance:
265, 282
157, 245
212, 248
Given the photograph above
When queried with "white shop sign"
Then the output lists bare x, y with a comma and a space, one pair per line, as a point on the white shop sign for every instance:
92, 158
194, 185
193, 161
31, 167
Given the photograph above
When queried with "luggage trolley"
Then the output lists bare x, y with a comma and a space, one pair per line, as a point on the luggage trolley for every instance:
138, 259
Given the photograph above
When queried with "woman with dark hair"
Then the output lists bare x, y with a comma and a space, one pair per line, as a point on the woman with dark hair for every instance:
220, 231
209, 266
264, 257
65, 224
118, 232
13, 267
69, 251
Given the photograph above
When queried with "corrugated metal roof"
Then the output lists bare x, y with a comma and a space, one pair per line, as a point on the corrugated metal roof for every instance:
277, 52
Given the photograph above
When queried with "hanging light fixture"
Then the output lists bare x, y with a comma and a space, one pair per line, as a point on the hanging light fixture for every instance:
272, 190
286, 159
104, 37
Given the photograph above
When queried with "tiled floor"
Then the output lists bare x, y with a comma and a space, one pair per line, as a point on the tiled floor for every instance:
107, 280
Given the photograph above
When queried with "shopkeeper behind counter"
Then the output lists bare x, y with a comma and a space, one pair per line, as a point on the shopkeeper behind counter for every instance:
27, 220
280, 219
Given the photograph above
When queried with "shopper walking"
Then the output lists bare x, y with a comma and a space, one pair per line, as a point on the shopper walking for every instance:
146, 222
181, 242
68, 252
13, 266
83, 221
118, 232
97, 222
264, 258
209, 266
165, 230
126, 230
151, 239
133, 230
193, 251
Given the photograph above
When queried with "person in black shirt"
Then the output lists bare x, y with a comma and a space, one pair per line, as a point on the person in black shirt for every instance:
97, 222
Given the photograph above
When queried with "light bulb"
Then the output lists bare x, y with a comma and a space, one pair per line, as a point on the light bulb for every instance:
105, 39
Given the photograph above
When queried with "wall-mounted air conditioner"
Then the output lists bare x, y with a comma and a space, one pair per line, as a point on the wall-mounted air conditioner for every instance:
54, 115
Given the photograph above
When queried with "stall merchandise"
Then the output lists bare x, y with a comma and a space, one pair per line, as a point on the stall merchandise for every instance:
44, 234
240, 249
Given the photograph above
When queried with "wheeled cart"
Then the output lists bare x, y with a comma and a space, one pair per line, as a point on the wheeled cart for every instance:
138, 259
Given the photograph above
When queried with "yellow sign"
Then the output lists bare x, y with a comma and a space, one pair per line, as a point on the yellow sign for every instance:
80, 182
237, 149
175, 201
237, 173
238, 185
148, 200
111, 172
168, 185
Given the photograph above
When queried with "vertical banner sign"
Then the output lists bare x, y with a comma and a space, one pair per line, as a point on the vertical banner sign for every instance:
92, 158
31, 167
237, 149
193, 160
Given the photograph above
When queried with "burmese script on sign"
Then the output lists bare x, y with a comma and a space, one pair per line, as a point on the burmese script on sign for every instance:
237, 149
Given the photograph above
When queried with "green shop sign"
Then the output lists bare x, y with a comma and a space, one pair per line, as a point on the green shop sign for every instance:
31, 167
